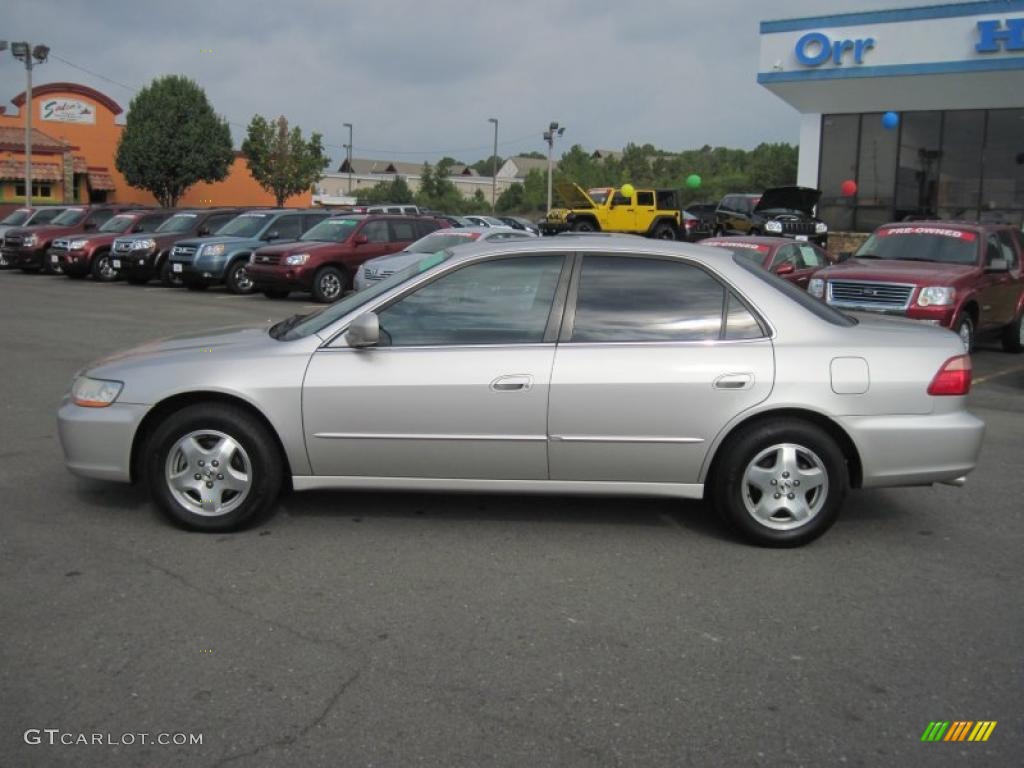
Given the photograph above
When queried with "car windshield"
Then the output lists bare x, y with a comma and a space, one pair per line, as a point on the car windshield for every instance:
179, 222
317, 321
598, 195
749, 252
938, 244
245, 225
17, 217
117, 224
333, 230
45, 216
438, 242
70, 217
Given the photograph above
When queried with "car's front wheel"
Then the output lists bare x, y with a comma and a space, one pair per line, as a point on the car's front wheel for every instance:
168, 277
780, 483
238, 280
103, 268
213, 467
329, 284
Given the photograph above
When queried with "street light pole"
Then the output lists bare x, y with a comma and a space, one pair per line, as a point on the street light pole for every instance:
494, 165
25, 52
549, 136
348, 152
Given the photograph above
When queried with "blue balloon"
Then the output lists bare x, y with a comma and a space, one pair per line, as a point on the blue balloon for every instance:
890, 120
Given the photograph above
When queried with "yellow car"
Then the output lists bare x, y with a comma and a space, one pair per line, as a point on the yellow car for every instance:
648, 212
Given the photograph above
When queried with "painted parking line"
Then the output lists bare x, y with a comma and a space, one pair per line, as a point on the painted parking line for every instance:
997, 374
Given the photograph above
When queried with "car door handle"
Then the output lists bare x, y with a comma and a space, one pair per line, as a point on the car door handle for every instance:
734, 381
518, 382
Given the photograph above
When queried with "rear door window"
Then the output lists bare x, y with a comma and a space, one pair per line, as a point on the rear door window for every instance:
638, 299
402, 231
287, 227
1008, 248
645, 198
376, 231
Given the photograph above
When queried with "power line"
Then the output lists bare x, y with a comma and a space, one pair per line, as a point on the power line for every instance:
242, 126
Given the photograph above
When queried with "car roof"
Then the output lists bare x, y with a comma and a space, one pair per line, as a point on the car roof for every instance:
758, 240
473, 230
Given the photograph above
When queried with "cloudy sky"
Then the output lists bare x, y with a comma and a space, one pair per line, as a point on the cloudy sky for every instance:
419, 79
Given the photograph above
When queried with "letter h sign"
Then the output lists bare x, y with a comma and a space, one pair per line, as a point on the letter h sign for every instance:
995, 38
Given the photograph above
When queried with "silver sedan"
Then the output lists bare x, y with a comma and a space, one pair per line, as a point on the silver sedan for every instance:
570, 365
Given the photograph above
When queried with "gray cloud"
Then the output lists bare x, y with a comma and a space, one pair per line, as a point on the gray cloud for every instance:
419, 80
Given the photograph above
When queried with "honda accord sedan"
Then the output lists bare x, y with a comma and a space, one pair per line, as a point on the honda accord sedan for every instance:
611, 366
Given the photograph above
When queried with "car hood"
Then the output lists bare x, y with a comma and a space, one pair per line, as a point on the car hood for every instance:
295, 246
99, 237
195, 242
801, 199
897, 270
45, 232
573, 195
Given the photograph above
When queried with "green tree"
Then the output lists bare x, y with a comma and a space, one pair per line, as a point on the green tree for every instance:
394, 191
437, 192
172, 139
512, 200
486, 166
280, 160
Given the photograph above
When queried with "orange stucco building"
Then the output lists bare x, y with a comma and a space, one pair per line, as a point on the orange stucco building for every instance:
75, 135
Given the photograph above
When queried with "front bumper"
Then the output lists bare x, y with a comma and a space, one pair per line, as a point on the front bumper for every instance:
135, 263
915, 450
70, 262
26, 258
277, 276
97, 442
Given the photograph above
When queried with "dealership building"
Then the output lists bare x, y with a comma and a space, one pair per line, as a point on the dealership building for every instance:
954, 77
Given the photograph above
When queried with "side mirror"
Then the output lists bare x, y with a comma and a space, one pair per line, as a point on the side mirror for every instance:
361, 240
784, 269
845, 256
998, 265
272, 235
364, 331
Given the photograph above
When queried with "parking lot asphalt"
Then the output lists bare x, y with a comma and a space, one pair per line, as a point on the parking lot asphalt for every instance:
445, 630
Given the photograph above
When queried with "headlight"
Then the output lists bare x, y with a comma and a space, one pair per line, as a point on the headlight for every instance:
74, 245
95, 393
773, 226
213, 250
936, 296
30, 240
296, 259
138, 245
820, 227
816, 287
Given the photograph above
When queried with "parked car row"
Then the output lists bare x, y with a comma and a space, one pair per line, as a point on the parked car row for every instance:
270, 250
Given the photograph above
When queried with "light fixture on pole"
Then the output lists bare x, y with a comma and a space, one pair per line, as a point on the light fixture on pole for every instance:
30, 55
348, 154
550, 134
494, 164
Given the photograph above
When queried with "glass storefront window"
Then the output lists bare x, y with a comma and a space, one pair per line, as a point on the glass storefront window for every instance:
876, 173
963, 135
1002, 185
917, 175
839, 135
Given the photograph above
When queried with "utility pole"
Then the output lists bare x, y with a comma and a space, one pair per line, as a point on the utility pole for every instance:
494, 165
550, 134
27, 53
348, 154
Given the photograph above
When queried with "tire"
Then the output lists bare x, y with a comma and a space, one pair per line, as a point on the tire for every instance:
664, 231
102, 269
772, 455
329, 284
964, 328
276, 293
167, 278
584, 225
209, 432
236, 279
1013, 335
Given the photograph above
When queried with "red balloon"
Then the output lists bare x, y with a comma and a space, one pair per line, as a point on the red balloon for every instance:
848, 188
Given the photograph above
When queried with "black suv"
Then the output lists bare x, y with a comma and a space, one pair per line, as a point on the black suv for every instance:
780, 211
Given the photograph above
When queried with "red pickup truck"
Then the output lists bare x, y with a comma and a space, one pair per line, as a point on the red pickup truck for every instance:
90, 254
962, 276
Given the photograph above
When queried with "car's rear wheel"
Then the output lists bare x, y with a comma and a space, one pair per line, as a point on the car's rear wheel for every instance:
276, 293
168, 277
237, 279
780, 483
213, 467
1013, 335
584, 225
329, 284
964, 328
664, 231
103, 268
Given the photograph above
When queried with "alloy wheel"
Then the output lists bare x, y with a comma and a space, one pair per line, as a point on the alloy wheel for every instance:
330, 285
785, 486
208, 473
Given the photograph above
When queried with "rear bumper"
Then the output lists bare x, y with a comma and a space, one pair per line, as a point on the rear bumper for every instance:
97, 442
915, 450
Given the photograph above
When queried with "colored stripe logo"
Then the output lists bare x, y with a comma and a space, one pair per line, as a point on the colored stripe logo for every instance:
958, 730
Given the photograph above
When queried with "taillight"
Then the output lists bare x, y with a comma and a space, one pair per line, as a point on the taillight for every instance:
689, 223
953, 378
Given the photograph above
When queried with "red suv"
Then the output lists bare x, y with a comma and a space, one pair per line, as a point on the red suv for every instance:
325, 258
80, 256
963, 276
26, 247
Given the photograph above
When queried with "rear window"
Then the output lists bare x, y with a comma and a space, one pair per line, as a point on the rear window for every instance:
817, 308
945, 245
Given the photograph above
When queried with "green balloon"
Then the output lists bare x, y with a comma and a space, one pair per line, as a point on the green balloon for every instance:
693, 181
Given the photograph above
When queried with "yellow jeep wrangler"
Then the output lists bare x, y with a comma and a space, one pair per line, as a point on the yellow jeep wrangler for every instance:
647, 212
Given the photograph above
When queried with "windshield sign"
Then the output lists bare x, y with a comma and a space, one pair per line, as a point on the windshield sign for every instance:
944, 245
332, 230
